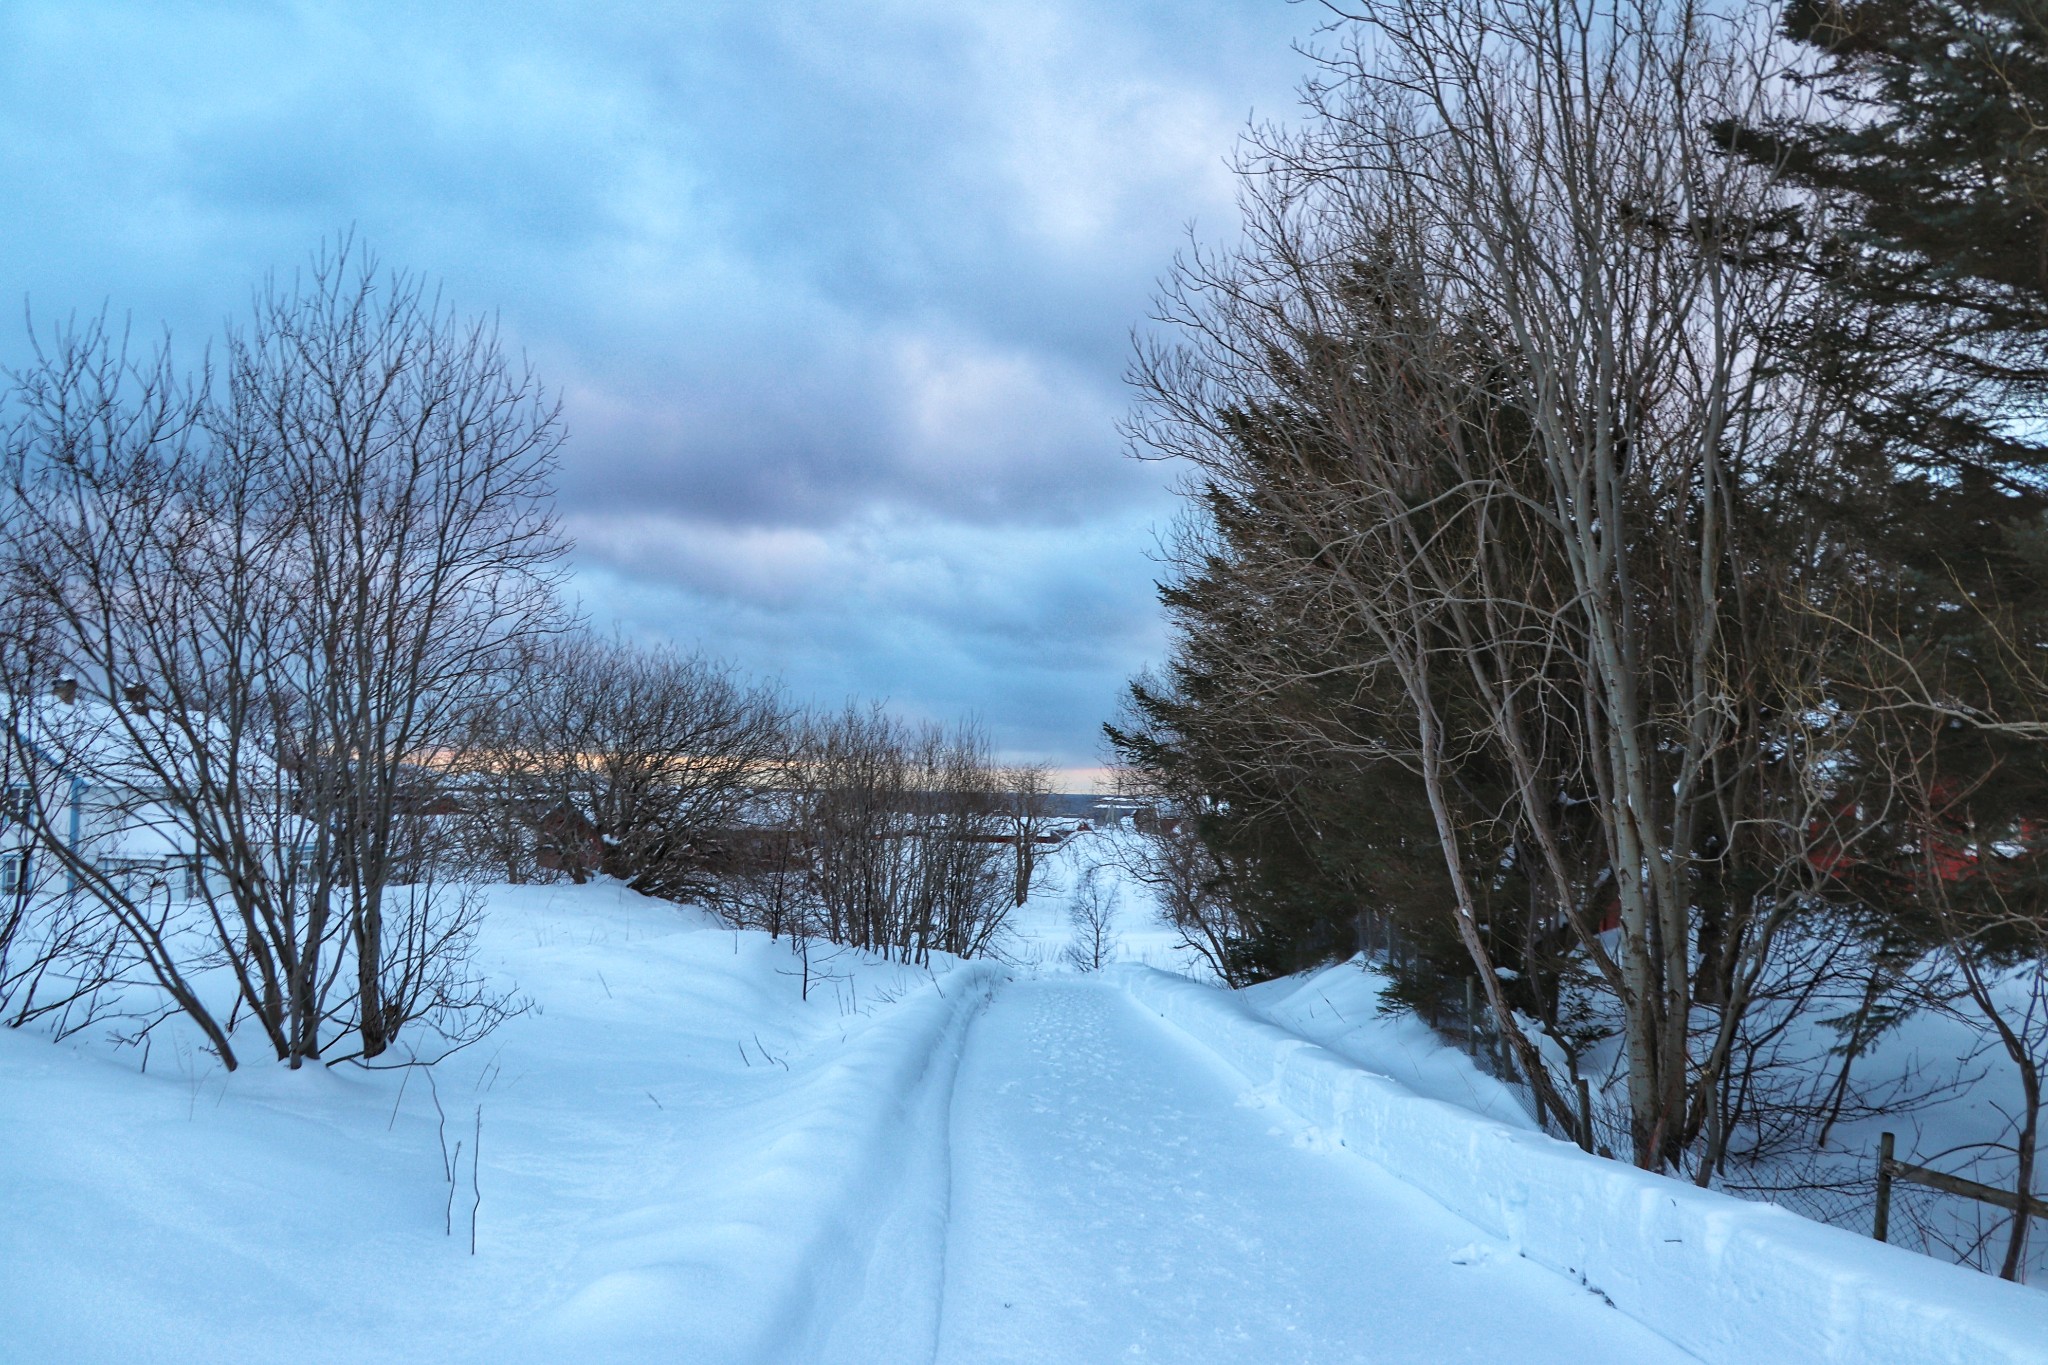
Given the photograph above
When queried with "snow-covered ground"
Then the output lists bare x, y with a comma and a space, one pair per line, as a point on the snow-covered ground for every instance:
1118, 1195
682, 1158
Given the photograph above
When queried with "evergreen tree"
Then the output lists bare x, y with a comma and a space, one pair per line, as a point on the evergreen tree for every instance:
1929, 171
1279, 730
1929, 143
1927, 157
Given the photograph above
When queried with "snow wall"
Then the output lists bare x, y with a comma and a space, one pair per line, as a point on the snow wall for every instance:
875, 1205
1724, 1278
832, 1235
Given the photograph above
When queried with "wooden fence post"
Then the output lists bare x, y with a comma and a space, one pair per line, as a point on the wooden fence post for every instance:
1890, 1169
1884, 1187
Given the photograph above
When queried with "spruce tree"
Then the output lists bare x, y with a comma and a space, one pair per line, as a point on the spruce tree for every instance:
1929, 143
1927, 159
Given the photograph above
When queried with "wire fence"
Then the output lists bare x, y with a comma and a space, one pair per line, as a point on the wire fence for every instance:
1836, 1187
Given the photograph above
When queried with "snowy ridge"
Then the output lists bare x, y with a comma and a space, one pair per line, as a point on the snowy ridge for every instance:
1725, 1279
1338, 1008
846, 1260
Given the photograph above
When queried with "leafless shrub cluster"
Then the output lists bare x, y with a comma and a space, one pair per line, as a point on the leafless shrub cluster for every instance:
889, 837
259, 599
599, 757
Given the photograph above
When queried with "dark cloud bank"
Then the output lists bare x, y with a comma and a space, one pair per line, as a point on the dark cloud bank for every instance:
837, 297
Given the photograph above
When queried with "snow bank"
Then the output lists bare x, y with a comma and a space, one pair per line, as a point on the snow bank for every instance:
682, 1158
1726, 1279
1339, 1008
842, 1209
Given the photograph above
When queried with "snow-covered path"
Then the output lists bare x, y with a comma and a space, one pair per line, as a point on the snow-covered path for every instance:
684, 1157
1115, 1197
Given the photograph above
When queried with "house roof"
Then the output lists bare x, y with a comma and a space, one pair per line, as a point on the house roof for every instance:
136, 760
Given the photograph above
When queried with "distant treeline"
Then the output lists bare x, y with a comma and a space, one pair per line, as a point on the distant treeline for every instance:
287, 668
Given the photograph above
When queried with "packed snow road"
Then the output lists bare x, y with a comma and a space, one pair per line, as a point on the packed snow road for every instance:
1116, 1196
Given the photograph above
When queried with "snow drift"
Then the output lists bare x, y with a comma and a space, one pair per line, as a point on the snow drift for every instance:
682, 1158
1724, 1278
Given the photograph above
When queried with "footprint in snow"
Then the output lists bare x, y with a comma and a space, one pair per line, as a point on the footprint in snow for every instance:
1472, 1253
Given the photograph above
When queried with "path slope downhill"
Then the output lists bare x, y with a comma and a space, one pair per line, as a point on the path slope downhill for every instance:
1725, 1278
1117, 1195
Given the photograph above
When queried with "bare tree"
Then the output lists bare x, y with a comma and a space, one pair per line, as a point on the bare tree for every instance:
767, 873
639, 763
276, 591
492, 792
1497, 360
59, 956
962, 823
902, 833
1091, 914
853, 820
1028, 803
1180, 869
1970, 892
147, 563
415, 463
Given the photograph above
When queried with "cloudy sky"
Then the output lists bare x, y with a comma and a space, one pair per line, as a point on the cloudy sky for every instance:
837, 297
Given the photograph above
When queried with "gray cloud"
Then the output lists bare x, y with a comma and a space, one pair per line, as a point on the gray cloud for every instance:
837, 298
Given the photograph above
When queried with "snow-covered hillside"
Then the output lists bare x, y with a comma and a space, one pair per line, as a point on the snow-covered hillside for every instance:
663, 1135
673, 1154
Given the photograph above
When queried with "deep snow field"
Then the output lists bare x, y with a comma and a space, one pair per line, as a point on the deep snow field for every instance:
668, 1136
683, 1159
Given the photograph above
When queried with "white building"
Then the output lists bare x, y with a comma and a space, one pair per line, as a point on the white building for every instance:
89, 794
